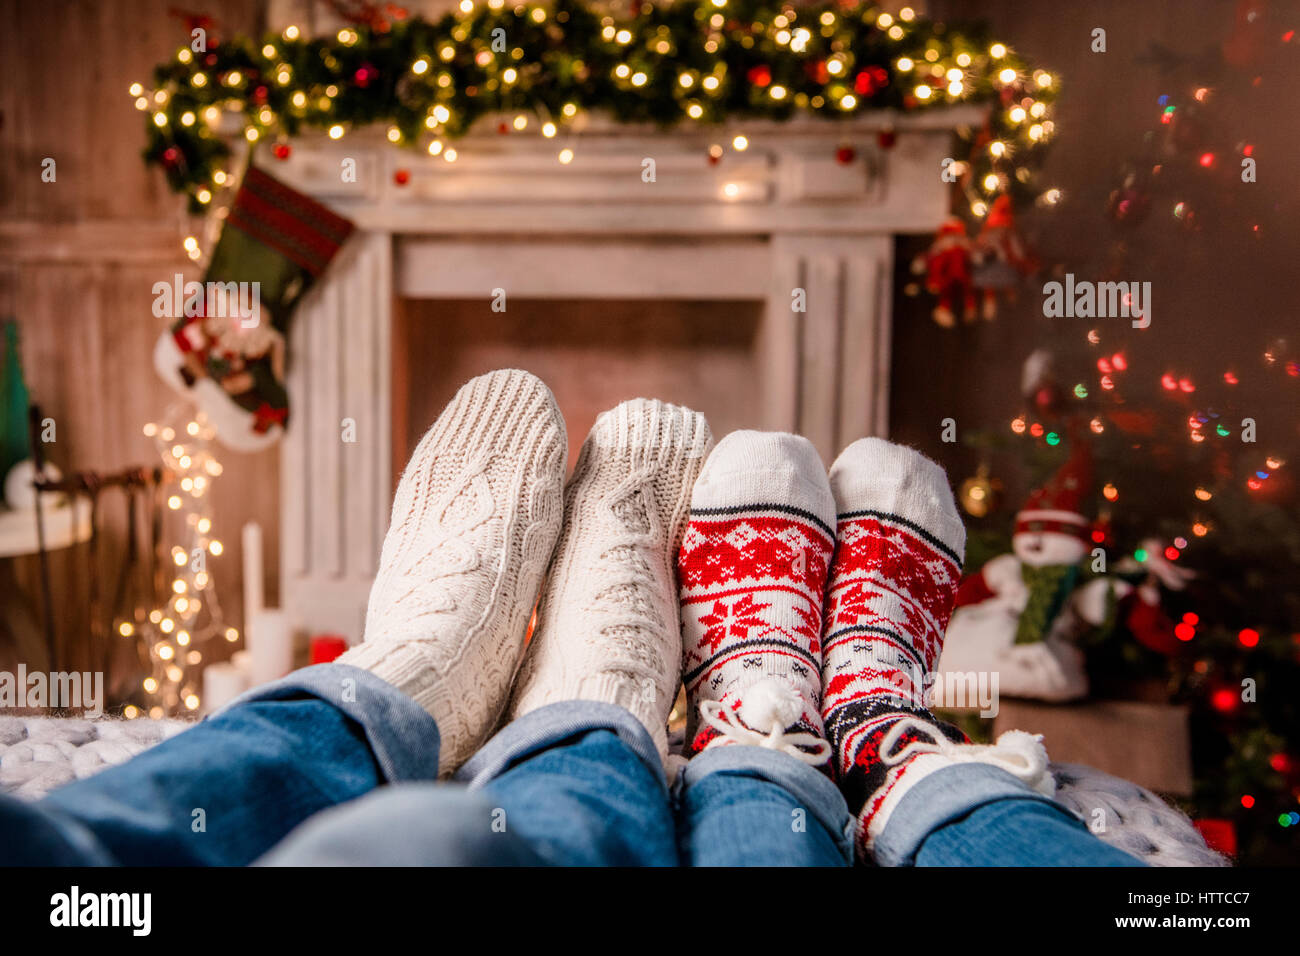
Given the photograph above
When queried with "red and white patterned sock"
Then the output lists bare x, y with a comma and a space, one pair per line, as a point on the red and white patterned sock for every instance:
752, 571
900, 548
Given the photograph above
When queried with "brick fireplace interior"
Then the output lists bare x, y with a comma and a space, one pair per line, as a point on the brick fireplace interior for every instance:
593, 353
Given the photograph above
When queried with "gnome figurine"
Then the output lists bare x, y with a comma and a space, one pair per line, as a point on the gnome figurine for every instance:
1022, 613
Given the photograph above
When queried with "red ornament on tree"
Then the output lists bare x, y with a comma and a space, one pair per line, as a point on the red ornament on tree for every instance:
1224, 700
171, 155
760, 75
870, 80
281, 150
365, 74
401, 176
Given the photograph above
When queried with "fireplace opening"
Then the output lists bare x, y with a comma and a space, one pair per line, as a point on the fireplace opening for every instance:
593, 353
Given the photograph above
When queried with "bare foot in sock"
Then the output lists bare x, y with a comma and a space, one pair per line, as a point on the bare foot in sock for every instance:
608, 627
475, 520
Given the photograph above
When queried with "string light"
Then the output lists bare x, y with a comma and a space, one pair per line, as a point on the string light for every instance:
193, 614
234, 77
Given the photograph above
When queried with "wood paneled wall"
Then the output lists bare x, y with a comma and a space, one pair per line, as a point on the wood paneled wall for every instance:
79, 257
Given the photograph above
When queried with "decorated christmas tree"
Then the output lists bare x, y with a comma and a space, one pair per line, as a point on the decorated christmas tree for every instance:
1192, 440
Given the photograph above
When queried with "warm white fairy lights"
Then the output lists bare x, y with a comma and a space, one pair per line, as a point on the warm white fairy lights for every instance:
186, 613
931, 67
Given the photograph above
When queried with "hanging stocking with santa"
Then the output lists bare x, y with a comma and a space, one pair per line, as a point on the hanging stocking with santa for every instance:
227, 348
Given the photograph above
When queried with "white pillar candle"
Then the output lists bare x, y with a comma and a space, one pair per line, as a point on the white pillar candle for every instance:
270, 645
222, 683
253, 596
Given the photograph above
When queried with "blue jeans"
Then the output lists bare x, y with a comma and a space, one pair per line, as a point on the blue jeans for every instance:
581, 784
333, 766
974, 814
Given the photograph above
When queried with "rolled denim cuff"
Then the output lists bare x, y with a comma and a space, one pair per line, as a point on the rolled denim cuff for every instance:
810, 787
39, 834
401, 735
548, 726
940, 798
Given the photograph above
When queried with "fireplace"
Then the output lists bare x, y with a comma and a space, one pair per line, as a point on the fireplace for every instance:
593, 353
756, 290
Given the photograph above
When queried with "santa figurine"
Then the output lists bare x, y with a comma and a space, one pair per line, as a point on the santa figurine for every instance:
1022, 614
946, 265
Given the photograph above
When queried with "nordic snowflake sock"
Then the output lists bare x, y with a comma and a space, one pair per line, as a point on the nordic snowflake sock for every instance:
899, 553
608, 627
475, 520
752, 570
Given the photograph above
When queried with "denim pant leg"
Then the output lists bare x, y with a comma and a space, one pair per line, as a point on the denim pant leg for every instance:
974, 814
740, 805
226, 790
581, 783
407, 824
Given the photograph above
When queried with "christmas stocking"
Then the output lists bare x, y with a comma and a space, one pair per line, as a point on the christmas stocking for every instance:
227, 346
14, 441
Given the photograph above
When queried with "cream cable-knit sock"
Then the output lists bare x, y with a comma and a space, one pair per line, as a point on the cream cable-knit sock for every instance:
475, 520
608, 627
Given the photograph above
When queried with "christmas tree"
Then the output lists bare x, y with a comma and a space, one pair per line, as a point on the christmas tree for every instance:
1194, 439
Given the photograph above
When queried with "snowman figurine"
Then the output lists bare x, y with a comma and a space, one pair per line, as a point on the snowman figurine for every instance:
1022, 613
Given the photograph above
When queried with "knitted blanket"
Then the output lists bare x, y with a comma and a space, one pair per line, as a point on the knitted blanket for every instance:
38, 754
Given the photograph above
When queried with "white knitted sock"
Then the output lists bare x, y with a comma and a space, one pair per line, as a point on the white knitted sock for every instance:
608, 627
475, 519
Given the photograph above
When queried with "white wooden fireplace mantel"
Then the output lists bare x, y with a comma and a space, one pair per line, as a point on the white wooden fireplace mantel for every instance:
783, 214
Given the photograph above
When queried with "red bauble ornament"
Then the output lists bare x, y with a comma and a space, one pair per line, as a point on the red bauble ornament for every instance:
845, 155
887, 138
281, 150
171, 155
1047, 399
401, 176
364, 75
760, 75
869, 81
1225, 700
